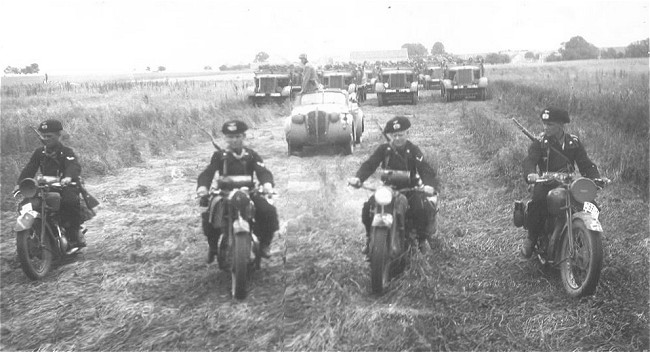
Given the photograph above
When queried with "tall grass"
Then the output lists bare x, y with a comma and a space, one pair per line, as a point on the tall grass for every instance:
118, 124
608, 106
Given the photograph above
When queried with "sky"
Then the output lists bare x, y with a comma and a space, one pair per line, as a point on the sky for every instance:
65, 36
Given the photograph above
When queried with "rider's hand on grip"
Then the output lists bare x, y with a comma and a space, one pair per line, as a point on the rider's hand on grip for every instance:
267, 188
65, 181
428, 190
202, 192
531, 178
354, 182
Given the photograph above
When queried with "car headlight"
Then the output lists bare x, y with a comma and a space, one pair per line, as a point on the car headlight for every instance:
334, 117
385, 85
383, 195
298, 119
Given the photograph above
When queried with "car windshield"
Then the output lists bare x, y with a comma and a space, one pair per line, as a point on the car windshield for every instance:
322, 98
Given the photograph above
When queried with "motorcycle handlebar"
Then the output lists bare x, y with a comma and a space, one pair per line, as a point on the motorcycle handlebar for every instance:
401, 190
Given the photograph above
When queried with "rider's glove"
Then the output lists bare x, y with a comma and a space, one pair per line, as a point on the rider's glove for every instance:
268, 188
354, 182
201, 191
531, 178
65, 181
428, 190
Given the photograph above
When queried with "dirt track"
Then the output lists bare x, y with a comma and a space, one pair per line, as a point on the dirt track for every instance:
142, 283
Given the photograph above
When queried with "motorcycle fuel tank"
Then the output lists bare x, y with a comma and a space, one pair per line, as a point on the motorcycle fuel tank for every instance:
556, 200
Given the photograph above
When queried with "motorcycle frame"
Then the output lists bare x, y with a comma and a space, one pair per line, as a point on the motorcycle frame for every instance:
562, 226
397, 228
232, 221
53, 230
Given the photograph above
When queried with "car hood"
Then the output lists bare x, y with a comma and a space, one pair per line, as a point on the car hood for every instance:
328, 108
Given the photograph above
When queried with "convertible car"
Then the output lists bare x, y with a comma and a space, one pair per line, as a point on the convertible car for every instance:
325, 117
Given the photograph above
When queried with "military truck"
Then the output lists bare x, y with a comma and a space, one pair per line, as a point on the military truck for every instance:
397, 85
462, 82
275, 84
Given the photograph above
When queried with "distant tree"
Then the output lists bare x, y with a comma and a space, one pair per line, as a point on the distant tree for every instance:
261, 57
207, 68
161, 68
638, 49
610, 53
529, 55
14, 70
553, 57
577, 48
437, 49
494, 58
148, 68
415, 49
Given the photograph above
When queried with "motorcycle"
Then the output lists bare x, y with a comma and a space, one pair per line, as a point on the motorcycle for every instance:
40, 239
232, 210
572, 236
392, 238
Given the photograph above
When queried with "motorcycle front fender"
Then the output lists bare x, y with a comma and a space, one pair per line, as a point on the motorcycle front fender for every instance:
240, 225
591, 223
26, 220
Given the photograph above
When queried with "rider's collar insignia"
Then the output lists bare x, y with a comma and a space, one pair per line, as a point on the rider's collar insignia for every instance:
232, 127
545, 115
396, 126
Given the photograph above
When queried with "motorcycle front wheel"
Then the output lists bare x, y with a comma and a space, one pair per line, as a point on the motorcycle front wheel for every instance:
379, 261
35, 257
241, 256
580, 269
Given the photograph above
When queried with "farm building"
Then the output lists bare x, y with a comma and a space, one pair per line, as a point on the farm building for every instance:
379, 55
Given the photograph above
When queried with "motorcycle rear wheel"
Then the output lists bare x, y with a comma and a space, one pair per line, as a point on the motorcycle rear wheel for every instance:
35, 257
379, 261
241, 256
580, 270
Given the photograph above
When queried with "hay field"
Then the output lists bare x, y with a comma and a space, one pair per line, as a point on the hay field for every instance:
142, 283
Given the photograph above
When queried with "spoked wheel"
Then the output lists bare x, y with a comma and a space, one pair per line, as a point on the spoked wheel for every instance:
379, 261
580, 269
35, 257
241, 256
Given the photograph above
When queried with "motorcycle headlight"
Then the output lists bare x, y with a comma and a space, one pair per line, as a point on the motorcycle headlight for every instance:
383, 195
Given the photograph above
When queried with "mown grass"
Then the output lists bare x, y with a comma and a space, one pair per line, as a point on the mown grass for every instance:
607, 101
116, 124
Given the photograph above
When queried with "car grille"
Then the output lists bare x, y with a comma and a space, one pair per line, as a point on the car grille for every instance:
397, 81
464, 77
317, 123
267, 85
336, 82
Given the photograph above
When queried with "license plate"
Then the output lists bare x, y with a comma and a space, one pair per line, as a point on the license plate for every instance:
26, 208
591, 209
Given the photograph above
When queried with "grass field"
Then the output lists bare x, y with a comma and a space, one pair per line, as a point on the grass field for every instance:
142, 282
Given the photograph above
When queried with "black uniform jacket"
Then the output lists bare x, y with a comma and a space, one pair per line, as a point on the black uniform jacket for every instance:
60, 161
542, 156
227, 164
410, 159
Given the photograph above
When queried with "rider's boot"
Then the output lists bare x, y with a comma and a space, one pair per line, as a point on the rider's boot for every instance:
366, 249
423, 243
213, 238
76, 238
526, 250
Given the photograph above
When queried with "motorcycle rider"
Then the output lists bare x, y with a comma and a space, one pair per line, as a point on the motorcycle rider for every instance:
556, 151
402, 154
55, 159
237, 159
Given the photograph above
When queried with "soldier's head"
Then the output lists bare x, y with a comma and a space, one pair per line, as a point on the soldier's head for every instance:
303, 58
50, 131
397, 129
235, 134
553, 120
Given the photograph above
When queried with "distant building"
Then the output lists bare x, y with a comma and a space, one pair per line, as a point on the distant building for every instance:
379, 55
